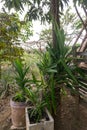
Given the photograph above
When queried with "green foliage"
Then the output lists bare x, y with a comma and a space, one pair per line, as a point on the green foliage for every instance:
10, 27
20, 77
46, 65
35, 8
26, 32
49, 94
11, 30
37, 111
81, 2
35, 95
64, 72
17, 4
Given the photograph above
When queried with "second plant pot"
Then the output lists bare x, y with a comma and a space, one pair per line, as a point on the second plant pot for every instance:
43, 125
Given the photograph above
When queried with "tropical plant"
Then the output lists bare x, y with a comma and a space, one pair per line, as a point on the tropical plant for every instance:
21, 80
59, 71
37, 111
35, 95
64, 73
46, 65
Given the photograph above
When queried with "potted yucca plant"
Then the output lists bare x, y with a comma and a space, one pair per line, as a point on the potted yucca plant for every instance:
59, 71
37, 116
18, 101
44, 120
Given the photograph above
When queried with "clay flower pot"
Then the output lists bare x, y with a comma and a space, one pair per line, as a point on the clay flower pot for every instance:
43, 125
18, 114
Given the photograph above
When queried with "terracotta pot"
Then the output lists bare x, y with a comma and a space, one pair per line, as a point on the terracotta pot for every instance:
18, 114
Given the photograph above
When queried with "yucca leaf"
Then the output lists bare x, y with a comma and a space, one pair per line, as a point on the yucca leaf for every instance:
68, 71
52, 90
25, 71
18, 68
51, 70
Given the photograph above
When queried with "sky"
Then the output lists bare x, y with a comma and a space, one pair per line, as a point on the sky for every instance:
37, 27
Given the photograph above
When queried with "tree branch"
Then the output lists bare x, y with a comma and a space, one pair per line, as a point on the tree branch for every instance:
84, 10
80, 17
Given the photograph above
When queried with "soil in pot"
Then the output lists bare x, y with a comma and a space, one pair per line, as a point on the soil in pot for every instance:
34, 117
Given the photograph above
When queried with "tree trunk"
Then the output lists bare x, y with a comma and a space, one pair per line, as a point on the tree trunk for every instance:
55, 17
57, 116
0, 70
76, 112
